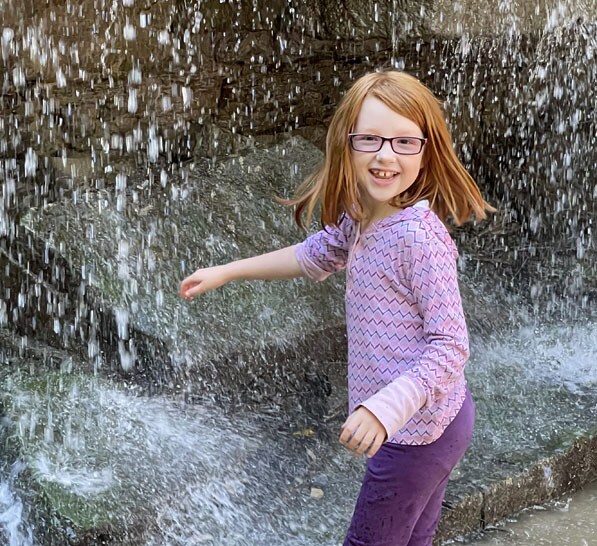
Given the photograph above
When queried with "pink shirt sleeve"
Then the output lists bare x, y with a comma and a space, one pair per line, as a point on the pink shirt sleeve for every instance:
396, 403
326, 251
430, 270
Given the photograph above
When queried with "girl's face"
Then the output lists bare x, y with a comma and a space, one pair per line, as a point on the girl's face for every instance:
384, 174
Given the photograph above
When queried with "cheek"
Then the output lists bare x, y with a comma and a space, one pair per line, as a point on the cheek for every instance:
417, 165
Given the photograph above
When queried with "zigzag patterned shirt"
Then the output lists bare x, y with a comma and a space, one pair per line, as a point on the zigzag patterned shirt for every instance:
405, 324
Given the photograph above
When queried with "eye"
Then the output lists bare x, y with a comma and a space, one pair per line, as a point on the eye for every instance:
367, 138
406, 141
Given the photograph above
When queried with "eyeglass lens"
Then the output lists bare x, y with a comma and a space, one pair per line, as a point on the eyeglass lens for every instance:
373, 143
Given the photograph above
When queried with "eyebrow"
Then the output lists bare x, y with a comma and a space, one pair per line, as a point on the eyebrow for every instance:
403, 134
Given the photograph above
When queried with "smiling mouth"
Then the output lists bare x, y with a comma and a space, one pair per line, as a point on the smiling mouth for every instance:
386, 175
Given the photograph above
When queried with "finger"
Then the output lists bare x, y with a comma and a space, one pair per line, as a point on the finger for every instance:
193, 278
186, 284
365, 444
184, 289
195, 290
349, 429
356, 439
345, 435
379, 440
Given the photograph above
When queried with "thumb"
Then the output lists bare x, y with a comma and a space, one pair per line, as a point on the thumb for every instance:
192, 290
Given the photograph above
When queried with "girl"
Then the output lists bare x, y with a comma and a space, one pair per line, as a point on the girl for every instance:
389, 179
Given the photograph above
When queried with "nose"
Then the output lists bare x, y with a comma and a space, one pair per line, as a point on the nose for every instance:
386, 152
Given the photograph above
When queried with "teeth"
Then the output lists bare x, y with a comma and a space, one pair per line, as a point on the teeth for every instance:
382, 174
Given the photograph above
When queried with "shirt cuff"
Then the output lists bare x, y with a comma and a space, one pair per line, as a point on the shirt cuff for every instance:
396, 403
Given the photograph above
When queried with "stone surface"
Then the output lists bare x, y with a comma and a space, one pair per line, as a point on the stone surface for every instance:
495, 17
132, 243
517, 82
92, 124
98, 272
278, 69
127, 460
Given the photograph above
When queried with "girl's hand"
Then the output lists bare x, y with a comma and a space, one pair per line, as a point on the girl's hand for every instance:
362, 432
203, 280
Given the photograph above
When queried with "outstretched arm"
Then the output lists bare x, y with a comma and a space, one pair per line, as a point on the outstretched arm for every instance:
280, 264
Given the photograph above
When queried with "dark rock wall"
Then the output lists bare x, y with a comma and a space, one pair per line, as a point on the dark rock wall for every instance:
111, 81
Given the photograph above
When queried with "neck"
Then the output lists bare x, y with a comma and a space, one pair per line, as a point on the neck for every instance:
375, 214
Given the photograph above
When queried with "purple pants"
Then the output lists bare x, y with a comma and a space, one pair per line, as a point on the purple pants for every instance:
401, 497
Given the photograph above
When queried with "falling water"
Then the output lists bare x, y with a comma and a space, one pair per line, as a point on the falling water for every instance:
15, 529
140, 140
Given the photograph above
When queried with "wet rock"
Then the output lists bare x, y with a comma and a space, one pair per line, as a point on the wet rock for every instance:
320, 481
316, 493
98, 131
132, 243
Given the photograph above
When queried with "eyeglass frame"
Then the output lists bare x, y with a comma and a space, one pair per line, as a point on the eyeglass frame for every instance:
422, 140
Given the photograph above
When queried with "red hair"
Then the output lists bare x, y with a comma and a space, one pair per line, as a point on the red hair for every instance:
443, 180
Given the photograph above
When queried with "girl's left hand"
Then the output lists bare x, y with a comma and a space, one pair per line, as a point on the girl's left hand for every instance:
362, 432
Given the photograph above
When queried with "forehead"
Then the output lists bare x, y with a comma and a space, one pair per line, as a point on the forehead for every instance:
377, 118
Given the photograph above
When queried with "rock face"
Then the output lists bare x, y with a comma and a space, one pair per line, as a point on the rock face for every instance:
248, 67
124, 252
106, 81
97, 69
140, 140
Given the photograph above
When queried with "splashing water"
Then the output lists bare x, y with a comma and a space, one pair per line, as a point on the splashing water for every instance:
115, 106
14, 530
183, 474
